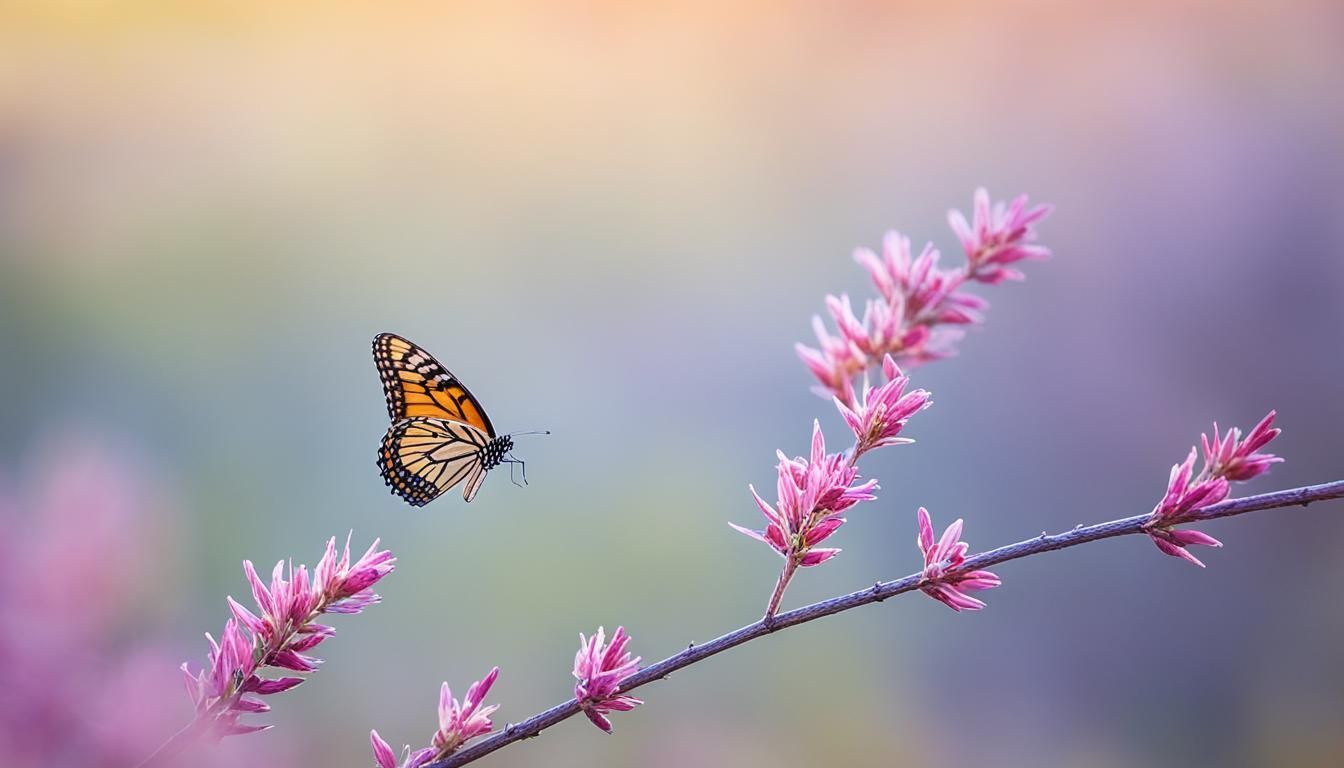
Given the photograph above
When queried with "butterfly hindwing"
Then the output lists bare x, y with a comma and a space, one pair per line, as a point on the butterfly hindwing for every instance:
421, 458
418, 386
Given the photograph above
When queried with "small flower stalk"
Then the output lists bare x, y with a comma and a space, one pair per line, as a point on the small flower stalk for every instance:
599, 669
813, 495
1228, 458
920, 308
280, 635
459, 722
943, 559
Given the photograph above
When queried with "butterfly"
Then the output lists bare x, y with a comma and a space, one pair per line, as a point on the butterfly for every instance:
440, 435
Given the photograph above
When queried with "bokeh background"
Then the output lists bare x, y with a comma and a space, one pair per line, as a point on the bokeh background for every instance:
612, 221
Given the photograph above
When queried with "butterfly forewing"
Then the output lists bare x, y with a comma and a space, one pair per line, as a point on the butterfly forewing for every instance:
417, 385
421, 458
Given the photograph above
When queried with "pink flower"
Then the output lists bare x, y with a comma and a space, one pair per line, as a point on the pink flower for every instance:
1228, 458
942, 559
599, 669
459, 722
916, 315
877, 420
812, 494
462, 722
384, 757
998, 237
1236, 458
279, 635
345, 588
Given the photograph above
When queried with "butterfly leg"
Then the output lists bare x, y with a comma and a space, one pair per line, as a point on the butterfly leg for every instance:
522, 465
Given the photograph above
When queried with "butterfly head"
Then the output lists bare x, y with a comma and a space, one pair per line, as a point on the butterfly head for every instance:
495, 451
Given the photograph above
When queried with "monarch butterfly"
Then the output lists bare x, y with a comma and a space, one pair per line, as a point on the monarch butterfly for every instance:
440, 435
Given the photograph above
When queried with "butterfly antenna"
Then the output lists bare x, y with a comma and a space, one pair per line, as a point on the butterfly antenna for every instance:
533, 432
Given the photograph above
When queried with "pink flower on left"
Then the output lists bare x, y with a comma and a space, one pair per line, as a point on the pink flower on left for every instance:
279, 635
86, 655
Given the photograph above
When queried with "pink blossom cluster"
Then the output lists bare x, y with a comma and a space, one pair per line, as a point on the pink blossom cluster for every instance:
915, 316
459, 722
599, 668
943, 559
286, 630
813, 495
1228, 458
878, 418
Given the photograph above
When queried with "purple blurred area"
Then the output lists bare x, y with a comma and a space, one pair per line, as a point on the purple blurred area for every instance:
613, 222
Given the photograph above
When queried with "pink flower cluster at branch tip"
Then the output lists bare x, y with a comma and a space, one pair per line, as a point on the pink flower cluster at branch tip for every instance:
998, 236
280, 636
459, 722
1228, 458
599, 669
941, 559
919, 304
878, 418
812, 495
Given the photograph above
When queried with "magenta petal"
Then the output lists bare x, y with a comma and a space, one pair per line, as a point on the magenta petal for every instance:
817, 557
1175, 551
747, 532
1187, 537
823, 530
382, 752
268, 687
597, 719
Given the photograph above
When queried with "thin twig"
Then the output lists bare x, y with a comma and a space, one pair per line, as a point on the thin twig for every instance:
881, 591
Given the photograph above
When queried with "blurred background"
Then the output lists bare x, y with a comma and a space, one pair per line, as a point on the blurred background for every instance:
613, 221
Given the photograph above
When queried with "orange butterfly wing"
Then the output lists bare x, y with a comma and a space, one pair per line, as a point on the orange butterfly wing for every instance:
417, 385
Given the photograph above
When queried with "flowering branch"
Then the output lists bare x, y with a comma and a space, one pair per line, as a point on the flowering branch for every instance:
906, 322
286, 629
1139, 524
914, 318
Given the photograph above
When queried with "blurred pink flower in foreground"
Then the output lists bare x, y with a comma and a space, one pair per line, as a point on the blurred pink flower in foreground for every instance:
919, 302
287, 628
84, 680
878, 418
944, 556
1227, 458
812, 495
599, 669
459, 722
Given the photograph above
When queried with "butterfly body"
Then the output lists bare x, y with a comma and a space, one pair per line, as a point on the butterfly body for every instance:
440, 435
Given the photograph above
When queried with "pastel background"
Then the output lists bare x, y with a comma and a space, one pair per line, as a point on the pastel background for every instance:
612, 221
